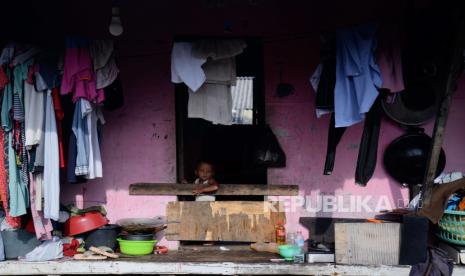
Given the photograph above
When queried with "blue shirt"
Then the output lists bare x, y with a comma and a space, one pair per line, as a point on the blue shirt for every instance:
357, 74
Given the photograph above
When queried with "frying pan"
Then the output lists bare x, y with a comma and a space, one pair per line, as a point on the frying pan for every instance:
406, 157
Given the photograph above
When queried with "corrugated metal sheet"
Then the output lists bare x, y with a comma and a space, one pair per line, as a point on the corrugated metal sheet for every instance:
242, 93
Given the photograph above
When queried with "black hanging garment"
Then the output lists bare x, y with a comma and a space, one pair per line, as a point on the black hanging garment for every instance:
368, 150
334, 137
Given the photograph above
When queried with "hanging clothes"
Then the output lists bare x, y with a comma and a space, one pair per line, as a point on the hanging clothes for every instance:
357, 74
43, 227
51, 163
93, 115
334, 137
14, 222
59, 115
389, 58
8, 53
34, 104
80, 131
213, 101
104, 62
18, 192
185, 67
78, 74
368, 149
7, 104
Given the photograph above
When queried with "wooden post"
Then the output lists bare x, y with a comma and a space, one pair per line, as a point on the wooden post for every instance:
456, 60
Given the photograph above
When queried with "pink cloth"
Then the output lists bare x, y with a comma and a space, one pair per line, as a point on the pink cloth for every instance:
389, 58
42, 226
79, 76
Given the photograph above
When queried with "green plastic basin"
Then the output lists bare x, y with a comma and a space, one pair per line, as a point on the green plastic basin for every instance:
136, 248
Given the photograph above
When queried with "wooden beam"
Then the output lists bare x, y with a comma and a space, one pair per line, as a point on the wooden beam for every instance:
224, 189
454, 70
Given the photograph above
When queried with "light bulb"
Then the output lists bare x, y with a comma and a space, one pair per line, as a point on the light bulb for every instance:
115, 28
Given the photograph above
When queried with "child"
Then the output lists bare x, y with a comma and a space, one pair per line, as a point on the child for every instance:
205, 183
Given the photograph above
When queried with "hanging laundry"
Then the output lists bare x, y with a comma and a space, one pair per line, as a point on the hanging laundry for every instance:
34, 107
186, 68
7, 105
59, 114
80, 131
334, 137
389, 58
18, 192
51, 163
43, 227
47, 72
88, 157
104, 62
14, 222
101, 52
357, 74
25, 56
213, 101
3, 78
78, 74
7, 54
368, 149
93, 115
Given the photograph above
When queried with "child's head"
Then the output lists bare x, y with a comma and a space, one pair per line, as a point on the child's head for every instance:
204, 170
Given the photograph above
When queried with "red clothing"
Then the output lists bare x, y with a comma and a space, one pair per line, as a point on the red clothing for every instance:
59, 114
14, 222
3, 78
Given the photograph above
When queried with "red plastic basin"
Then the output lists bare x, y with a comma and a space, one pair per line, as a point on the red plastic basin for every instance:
79, 224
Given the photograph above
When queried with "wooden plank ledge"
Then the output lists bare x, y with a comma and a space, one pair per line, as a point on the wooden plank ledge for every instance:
126, 267
224, 189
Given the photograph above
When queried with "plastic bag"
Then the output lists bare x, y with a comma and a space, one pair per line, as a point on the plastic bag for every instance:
267, 151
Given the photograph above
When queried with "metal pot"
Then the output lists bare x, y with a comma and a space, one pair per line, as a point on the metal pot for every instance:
137, 237
405, 158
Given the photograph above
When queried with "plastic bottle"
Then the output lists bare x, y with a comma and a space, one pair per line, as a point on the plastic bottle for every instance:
300, 241
280, 233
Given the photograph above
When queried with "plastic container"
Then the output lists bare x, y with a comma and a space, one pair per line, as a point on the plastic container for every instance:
79, 224
18, 243
288, 251
452, 227
103, 236
136, 248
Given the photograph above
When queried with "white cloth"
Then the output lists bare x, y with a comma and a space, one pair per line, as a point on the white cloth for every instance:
47, 251
34, 115
39, 181
51, 163
185, 67
213, 101
93, 114
101, 51
107, 74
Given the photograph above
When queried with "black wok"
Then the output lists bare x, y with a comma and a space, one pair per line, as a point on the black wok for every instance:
406, 157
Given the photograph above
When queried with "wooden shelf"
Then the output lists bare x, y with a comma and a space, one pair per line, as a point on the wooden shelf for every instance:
224, 189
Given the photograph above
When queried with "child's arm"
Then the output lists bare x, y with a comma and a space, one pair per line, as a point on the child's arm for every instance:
211, 187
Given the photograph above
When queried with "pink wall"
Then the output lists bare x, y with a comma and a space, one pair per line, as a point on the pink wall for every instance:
139, 143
